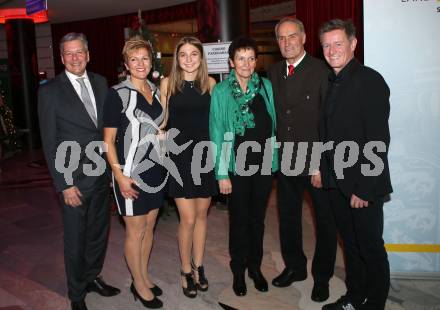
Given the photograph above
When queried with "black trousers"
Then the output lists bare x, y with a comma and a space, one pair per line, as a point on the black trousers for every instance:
366, 260
85, 238
290, 190
247, 210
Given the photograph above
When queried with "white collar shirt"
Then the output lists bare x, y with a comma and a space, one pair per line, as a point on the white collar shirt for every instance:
72, 78
295, 64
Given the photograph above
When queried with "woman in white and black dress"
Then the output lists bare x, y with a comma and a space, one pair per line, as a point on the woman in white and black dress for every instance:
132, 116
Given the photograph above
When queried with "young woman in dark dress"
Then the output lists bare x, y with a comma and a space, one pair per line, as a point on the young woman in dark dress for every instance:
187, 92
132, 113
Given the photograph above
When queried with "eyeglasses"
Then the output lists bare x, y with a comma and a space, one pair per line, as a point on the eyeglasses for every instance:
78, 54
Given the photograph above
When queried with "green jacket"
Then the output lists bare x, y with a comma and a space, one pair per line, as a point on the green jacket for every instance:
221, 128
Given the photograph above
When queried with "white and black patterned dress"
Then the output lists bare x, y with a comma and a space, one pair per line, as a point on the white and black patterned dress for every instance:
137, 121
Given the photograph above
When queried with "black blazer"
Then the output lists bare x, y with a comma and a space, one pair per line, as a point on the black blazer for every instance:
298, 101
63, 117
359, 112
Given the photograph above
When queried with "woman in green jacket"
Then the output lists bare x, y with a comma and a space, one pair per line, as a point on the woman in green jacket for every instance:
242, 128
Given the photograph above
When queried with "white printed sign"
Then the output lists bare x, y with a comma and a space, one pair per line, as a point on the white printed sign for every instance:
217, 57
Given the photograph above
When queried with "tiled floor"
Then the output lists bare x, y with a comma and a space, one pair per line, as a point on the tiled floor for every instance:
32, 271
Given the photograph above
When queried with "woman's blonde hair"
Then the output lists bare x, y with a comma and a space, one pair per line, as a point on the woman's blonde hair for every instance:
134, 43
175, 80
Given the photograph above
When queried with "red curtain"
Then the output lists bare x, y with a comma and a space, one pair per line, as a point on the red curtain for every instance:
106, 39
208, 22
169, 14
315, 12
106, 36
257, 3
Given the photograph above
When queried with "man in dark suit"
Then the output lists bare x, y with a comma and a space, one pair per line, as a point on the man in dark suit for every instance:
300, 83
356, 114
70, 111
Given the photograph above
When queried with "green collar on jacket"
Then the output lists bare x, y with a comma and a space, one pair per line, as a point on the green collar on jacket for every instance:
222, 132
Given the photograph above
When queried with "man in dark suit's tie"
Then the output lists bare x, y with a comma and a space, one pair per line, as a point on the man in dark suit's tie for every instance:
70, 111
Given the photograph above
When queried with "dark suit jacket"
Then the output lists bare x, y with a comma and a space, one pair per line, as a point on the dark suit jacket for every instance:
357, 109
298, 101
63, 117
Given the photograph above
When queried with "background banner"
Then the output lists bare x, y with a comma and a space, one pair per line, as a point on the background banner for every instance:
401, 40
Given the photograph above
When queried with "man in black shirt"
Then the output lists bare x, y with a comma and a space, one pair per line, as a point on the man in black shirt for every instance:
356, 116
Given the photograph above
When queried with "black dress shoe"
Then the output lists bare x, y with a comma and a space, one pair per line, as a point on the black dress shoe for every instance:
259, 280
78, 305
99, 286
320, 292
287, 277
156, 290
239, 284
342, 303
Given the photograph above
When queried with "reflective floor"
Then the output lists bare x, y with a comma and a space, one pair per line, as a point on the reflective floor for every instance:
32, 270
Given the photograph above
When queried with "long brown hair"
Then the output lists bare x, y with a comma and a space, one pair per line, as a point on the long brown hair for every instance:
175, 80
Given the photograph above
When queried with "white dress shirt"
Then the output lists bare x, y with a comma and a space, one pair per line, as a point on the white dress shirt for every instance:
295, 64
72, 78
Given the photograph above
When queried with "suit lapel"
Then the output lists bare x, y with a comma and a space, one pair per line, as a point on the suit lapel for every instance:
75, 100
283, 82
99, 101
69, 90
283, 70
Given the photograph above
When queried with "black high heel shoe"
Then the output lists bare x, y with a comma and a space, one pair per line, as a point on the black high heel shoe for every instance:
190, 290
155, 303
156, 290
199, 277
